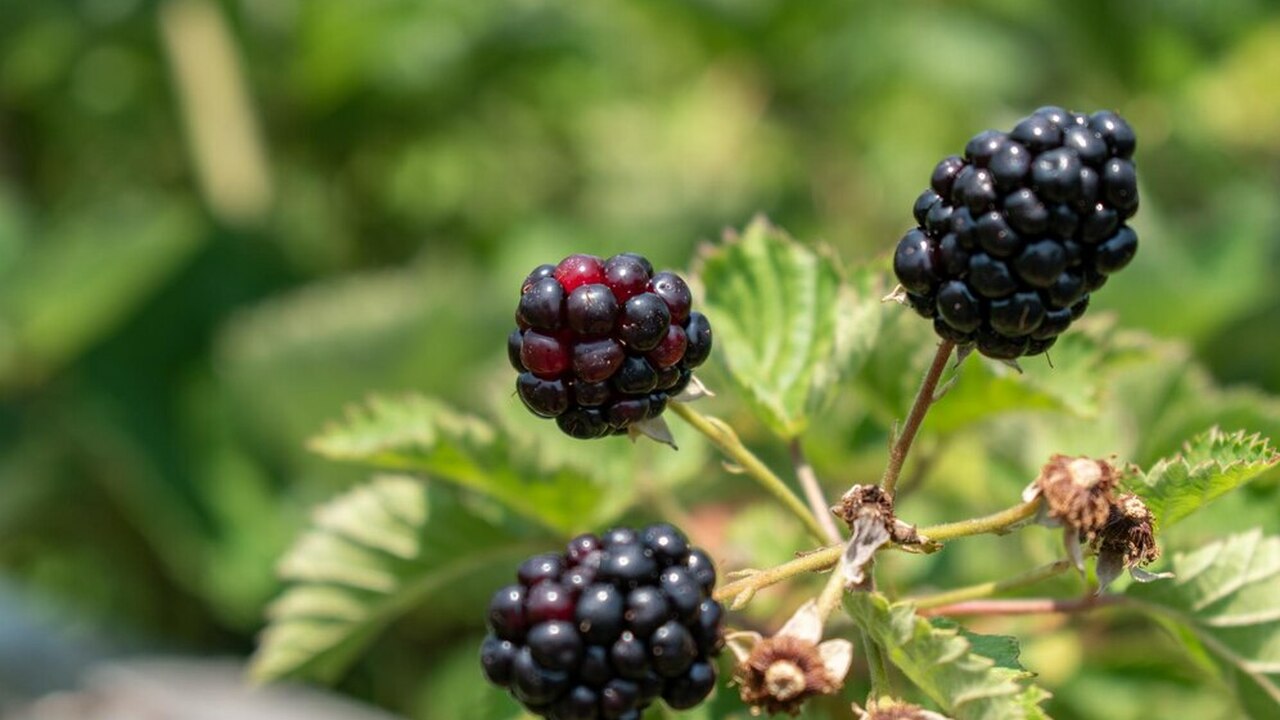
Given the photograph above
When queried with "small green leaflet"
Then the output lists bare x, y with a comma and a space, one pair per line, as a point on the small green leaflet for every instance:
370, 555
418, 434
948, 665
1227, 596
786, 323
1210, 465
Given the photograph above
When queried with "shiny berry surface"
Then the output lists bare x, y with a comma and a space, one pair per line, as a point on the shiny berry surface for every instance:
1013, 235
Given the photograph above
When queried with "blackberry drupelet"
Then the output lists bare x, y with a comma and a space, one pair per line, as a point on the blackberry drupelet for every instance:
1012, 237
601, 345
608, 627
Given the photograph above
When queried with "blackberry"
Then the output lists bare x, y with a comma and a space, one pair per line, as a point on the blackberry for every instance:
1012, 237
601, 345
608, 627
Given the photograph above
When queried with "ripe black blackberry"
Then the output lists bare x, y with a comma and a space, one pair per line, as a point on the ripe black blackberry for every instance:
603, 344
607, 627
1014, 236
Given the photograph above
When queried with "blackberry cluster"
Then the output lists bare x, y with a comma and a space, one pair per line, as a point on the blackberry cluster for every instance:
609, 626
1015, 235
602, 344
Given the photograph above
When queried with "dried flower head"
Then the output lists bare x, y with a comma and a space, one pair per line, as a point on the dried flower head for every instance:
868, 511
1127, 541
894, 710
777, 674
1077, 491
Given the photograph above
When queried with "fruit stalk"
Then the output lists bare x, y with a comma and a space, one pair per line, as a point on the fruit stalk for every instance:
987, 589
907, 434
724, 438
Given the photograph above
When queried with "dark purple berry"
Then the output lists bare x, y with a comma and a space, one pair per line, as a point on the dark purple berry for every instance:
506, 613
692, 687
1056, 175
548, 601
952, 256
626, 275
666, 543
682, 590
925, 304
544, 355
1078, 310
938, 221
619, 697
913, 262
672, 648
623, 413
596, 360
675, 293
591, 310
958, 306
709, 629
1087, 144
990, 277
599, 613
556, 645
1025, 213
1055, 323
944, 174
1120, 185
1040, 263
657, 403
962, 226
583, 423
701, 569
1010, 165
545, 398
668, 377
1113, 254
647, 608
1035, 346
1038, 133
589, 394
995, 236
629, 656
580, 703
926, 200
698, 333
644, 322
1098, 225
1090, 189
534, 684
983, 146
979, 190
1054, 114
1063, 221
542, 305
538, 273
1065, 290
496, 656
620, 536
1115, 132
636, 376
628, 565
1019, 314
947, 332
671, 349
514, 341
1000, 347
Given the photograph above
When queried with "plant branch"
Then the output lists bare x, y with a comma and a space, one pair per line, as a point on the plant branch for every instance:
1030, 606
724, 438
987, 589
999, 523
826, 557
813, 492
907, 433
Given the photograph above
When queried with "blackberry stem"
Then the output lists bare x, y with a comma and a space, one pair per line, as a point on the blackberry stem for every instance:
987, 589
813, 491
826, 557
724, 438
881, 685
1028, 606
924, 399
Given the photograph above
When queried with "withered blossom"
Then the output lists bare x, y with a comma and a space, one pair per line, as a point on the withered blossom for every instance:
777, 674
1127, 541
868, 511
1078, 493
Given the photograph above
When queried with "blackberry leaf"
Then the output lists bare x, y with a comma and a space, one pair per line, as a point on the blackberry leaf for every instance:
1225, 599
787, 324
371, 554
1210, 465
947, 666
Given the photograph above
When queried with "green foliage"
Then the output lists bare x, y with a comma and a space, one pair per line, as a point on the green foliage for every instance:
954, 671
371, 555
1210, 465
1224, 601
787, 324
415, 433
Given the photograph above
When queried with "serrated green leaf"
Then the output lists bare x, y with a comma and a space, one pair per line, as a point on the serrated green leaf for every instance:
1210, 465
947, 666
419, 434
787, 326
1227, 595
369, 556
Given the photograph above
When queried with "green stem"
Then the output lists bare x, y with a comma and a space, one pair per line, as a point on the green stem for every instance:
998, 523
987, 589
924, 398
831, 595
724, 438
813, 491
1029, 606
825, 557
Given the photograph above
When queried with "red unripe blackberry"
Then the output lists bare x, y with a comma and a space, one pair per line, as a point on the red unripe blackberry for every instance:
647, 628
1012, 237
601, 345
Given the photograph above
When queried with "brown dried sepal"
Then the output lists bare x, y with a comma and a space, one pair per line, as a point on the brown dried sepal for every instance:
780, 673
1129, 532
1078, 491
871, 503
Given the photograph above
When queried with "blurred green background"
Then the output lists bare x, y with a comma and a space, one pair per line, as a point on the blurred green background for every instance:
221, 222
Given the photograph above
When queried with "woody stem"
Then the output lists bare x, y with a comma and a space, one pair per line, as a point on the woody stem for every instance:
907, 434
